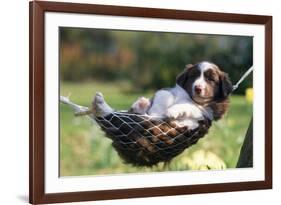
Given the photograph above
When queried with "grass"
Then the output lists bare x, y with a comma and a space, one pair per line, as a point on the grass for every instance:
85, 151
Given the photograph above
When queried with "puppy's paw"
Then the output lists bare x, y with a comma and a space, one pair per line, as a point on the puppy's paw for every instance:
143, 102
140, 106
173, 113
99, 106
98, 99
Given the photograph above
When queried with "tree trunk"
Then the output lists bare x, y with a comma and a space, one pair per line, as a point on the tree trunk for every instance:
246, 152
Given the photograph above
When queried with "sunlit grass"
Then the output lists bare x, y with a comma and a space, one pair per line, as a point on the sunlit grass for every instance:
85, 151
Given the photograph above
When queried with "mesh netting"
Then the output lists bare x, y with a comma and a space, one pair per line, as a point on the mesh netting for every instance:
142, 140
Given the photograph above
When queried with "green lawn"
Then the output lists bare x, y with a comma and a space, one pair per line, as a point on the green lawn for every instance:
85, 151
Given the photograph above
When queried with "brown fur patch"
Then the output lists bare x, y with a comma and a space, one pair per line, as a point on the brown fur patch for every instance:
219, 108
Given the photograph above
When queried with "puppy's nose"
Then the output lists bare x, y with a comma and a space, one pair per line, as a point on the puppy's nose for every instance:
198, 89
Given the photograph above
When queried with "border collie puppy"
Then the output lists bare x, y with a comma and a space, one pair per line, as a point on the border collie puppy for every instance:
201, 90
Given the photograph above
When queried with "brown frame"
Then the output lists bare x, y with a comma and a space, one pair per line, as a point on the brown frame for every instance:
36, 88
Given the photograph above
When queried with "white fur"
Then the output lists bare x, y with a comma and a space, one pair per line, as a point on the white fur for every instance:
161, 101
205, 66
184, 110
177, 104
185, 114
201, 80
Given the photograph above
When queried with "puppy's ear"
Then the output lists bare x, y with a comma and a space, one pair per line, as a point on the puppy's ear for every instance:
182, 78
187, 66
225, 85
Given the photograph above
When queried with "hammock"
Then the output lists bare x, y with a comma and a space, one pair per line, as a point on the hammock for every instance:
144, 140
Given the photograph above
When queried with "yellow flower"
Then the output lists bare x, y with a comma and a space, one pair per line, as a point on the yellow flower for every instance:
249, 94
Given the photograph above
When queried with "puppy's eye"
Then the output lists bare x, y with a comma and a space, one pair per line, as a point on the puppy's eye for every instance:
210, 78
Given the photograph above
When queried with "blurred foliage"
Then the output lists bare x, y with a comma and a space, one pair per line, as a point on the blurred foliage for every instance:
84, 149
124, 65
148, 59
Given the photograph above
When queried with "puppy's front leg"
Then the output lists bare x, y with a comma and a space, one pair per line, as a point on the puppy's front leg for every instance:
184, 110
175, 112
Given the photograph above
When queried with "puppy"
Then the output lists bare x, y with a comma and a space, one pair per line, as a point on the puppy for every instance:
201, 91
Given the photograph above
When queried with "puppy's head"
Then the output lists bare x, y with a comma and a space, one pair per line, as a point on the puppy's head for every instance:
205, 82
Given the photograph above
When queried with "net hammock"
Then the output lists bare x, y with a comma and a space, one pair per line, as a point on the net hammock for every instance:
144, 140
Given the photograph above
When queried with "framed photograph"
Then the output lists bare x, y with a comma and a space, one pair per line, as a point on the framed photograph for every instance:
132, 102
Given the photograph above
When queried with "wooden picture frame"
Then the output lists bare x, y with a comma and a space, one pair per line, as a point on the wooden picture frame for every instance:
37, 152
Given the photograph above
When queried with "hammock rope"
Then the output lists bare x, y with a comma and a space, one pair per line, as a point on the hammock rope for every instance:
234, 87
